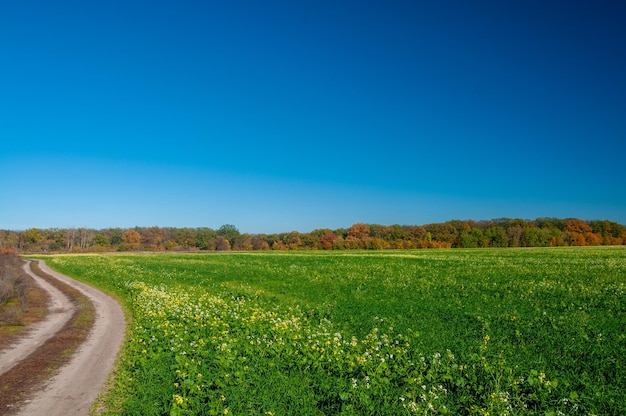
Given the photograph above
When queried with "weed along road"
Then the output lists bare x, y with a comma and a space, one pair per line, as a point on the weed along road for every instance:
77, 384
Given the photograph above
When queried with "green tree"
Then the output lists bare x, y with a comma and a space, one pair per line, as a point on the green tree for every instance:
115, 236
205, 237
473, 238
186, 237
515, 235
101, 240
33, 235
537, 237
228, 231
496, 236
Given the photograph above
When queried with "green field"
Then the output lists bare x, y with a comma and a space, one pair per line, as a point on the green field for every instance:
495, 331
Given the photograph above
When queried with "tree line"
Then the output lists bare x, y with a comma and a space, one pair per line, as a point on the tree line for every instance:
503, 232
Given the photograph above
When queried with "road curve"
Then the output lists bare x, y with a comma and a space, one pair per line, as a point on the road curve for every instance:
60, 310
74, 389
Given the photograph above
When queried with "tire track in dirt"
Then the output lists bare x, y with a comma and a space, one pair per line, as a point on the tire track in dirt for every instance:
60, 311
76, 385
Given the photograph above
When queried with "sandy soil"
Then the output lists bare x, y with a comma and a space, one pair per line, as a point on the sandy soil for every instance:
76, 386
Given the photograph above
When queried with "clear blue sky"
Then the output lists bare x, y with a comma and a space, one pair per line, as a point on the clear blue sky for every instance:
295, 115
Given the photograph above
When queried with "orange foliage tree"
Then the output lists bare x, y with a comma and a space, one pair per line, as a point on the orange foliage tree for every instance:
131, 239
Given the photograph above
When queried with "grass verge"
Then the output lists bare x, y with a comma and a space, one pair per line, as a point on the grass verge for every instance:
24, 313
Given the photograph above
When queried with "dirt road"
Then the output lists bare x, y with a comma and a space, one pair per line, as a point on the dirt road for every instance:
60, 310
75, 387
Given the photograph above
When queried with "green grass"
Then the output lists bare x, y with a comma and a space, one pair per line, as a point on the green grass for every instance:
511, 331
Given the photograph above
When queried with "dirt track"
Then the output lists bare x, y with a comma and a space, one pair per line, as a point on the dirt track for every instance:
75, 387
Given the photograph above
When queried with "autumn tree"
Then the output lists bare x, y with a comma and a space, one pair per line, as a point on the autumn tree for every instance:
442, 232
328, 240
278, 245
576, 231
131, 240
358, 236
243, 242
54, 238
221, 243
259, 242
378, 244
10, 240
152, 238
611, 233
359, 231
293, 240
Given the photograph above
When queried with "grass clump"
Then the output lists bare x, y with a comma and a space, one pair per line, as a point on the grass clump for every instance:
14, 286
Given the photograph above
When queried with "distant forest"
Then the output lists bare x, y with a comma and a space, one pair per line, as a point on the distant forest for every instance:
503, 232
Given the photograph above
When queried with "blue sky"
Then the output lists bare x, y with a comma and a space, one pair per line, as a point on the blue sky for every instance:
279, 115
